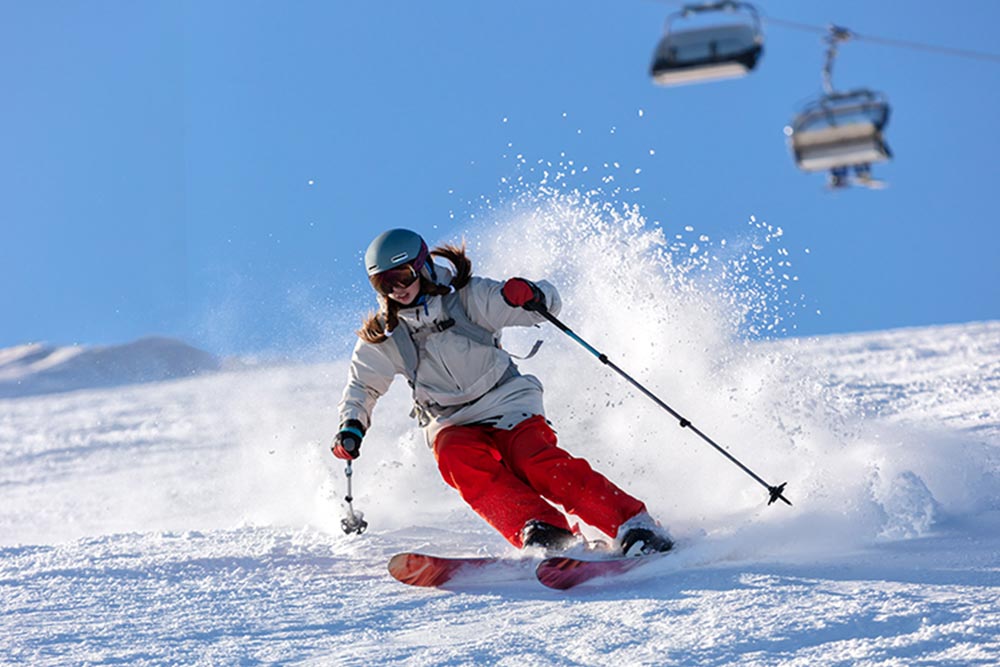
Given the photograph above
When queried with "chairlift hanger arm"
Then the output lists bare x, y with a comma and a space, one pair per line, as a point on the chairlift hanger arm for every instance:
836, 35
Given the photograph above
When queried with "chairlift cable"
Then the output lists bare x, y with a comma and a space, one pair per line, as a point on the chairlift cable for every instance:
930, 48
885, 41
875, 39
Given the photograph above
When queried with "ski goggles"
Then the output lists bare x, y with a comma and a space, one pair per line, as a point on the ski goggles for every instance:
400, 277
404, 275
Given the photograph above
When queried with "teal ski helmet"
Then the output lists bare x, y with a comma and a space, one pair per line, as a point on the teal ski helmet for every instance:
395, 248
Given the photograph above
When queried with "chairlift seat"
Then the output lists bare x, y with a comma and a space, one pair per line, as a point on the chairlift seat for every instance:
841, 130
705, 54
839, 146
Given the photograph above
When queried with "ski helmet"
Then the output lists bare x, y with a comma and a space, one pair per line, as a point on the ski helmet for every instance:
398, 257
395, 248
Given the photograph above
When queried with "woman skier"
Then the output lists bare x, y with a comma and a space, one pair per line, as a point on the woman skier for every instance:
439, 328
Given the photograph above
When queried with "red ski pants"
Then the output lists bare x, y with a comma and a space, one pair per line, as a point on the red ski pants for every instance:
507, 477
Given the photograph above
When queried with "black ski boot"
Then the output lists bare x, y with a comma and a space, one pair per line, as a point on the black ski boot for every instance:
546, 536
641, 536
642, 542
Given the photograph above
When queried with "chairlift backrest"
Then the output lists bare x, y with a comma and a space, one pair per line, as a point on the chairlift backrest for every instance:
712, 52
711, 42
844, 108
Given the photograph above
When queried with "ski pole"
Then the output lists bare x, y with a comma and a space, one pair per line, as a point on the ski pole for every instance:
354, 522
776, 492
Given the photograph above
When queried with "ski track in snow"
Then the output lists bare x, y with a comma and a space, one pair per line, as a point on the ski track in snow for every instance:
197, 522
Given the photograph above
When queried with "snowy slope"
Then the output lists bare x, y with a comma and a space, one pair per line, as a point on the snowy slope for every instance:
196, 521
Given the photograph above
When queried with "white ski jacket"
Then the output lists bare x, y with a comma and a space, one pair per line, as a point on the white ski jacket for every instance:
462, 381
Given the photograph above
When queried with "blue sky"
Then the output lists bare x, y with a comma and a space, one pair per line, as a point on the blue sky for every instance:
214, 170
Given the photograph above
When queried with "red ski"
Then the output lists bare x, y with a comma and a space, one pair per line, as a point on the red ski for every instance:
562, 572
425, 570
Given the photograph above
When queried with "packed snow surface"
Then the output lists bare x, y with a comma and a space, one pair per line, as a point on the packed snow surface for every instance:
197, 521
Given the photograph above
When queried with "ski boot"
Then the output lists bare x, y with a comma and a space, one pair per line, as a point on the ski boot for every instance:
553, 539
641, 536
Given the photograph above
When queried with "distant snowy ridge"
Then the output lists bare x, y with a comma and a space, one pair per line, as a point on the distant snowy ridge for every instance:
30, 370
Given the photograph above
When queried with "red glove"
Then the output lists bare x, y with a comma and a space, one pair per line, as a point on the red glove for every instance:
521, 293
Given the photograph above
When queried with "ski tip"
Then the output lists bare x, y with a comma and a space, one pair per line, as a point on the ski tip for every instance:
398, 562
418, 569
414, 569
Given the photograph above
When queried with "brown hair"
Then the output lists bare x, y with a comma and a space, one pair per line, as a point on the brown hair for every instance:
377, 326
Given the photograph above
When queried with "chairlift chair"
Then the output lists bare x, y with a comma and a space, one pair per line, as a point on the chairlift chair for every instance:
841, 131
722, 51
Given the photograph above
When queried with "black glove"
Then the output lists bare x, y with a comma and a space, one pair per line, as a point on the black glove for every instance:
347, 442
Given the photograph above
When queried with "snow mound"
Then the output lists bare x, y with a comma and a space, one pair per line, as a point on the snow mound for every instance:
35, 369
